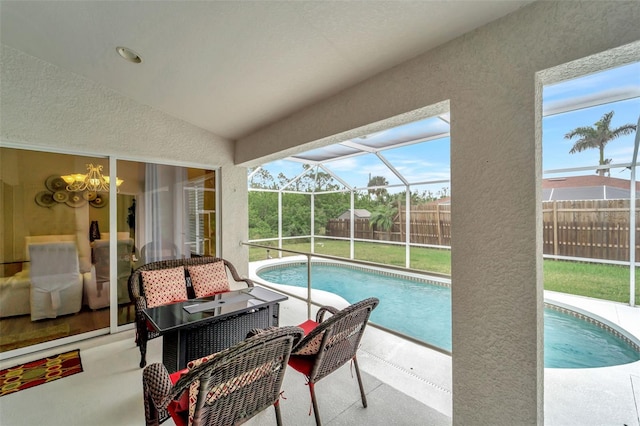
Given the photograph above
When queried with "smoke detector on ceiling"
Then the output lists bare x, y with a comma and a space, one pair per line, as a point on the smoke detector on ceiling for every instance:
128, 54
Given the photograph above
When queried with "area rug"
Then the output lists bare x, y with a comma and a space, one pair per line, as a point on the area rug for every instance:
35, 373
20, 340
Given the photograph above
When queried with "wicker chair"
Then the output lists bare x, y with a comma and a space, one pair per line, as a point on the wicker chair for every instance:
330, 343
234, 384
136, 293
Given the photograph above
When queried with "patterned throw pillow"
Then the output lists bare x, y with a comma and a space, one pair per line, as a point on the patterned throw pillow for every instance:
209, 278
164, 286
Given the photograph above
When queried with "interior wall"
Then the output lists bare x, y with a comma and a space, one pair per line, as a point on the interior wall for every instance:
25, 172
489, 77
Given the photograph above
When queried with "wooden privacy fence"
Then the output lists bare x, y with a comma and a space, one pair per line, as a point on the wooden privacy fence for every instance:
597, 229
429, 224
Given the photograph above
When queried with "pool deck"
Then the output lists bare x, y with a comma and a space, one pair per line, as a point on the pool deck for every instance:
594, 396
590, 396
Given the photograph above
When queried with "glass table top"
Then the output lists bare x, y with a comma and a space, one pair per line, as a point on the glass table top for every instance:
181, 314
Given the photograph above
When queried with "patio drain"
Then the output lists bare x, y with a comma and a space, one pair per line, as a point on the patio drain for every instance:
407, 372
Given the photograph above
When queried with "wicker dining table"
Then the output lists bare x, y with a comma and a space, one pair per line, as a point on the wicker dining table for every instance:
199, 327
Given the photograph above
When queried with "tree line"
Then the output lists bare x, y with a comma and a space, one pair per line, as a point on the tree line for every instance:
296, 207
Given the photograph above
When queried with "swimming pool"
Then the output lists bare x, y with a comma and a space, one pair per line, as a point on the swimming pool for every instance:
570, 341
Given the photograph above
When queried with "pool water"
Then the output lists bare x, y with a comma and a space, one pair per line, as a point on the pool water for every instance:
423, 311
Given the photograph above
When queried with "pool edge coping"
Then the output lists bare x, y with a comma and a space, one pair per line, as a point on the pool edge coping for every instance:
584, 314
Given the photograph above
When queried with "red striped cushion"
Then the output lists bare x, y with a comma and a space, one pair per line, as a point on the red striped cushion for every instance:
195, 386
179, 409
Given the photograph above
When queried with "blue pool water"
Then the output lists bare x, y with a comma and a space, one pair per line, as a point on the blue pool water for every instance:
570, 342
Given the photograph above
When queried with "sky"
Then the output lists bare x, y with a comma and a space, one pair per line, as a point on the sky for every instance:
555, 148
430, 161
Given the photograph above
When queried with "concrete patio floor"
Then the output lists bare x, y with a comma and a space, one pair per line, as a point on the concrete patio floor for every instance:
406, 384
109, 390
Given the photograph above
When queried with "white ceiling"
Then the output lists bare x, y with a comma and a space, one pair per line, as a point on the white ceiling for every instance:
232, 67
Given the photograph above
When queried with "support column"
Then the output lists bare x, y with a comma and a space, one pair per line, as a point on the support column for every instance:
496, 259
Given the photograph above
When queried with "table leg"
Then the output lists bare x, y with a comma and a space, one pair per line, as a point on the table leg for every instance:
173, 351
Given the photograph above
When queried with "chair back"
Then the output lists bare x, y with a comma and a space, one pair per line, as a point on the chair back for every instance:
54, 266
340, 337
82, 247
136, 289
124, 262
101, 255
241, 381
158, 250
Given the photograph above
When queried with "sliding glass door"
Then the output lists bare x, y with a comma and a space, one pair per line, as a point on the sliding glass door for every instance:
58, 217
54, 216
168, 211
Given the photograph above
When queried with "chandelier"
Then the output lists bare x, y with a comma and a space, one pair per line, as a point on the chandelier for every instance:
92, 181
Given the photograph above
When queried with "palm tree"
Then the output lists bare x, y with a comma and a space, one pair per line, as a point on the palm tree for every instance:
377, 181
382, 217
598, 137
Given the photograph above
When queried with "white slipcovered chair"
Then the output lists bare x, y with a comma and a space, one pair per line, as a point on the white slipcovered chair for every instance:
56, 281
97, 296
15, 291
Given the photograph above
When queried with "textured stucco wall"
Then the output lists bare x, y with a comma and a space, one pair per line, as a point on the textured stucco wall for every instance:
43, 105
235, 215
489, 78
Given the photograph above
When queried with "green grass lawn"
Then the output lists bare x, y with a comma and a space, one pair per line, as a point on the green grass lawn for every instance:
609, 282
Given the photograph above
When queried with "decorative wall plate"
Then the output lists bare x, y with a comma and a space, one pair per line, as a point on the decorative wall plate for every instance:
61, 196
89, 195
101, 200
55, 183
45, 199
76, 200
